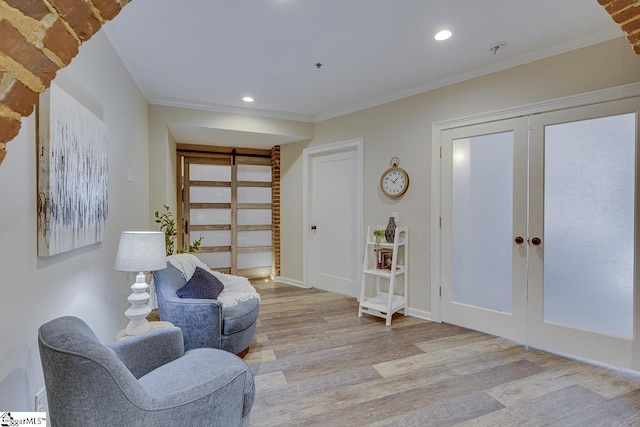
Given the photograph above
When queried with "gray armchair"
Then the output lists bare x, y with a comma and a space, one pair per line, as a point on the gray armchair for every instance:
146, 380
204, 322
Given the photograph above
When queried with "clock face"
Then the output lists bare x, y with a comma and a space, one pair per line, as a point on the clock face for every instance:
394, 182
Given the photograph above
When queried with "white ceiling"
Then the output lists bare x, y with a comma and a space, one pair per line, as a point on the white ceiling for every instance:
208, 54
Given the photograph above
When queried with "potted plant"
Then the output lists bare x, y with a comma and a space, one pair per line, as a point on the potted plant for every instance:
378, 235
168, 225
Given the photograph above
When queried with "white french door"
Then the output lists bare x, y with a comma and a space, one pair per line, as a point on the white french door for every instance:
583, 188
484, 173
539, 230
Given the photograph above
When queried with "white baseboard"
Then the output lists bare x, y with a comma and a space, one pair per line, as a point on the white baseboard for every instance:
420, 314
288, 281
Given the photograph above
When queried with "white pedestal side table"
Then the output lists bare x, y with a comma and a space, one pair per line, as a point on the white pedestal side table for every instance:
158, 324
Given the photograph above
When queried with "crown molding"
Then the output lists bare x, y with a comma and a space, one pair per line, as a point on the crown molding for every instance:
589, 40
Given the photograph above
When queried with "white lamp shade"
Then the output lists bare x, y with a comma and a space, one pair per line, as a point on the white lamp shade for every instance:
141, 251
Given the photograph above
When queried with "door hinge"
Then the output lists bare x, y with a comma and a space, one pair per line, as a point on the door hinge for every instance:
440, 222
440, 152
440, 290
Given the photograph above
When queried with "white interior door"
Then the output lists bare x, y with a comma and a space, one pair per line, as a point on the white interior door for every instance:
583, 209
484, 179
334, 221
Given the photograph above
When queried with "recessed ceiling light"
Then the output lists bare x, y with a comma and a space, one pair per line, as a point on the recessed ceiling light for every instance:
247, 99
443, 35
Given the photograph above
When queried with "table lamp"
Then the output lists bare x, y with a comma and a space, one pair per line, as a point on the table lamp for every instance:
140, 251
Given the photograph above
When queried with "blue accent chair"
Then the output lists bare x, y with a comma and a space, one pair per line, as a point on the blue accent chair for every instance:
145, 380
204, 322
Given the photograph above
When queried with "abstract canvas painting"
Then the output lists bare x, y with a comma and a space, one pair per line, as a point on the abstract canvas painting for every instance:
73, 174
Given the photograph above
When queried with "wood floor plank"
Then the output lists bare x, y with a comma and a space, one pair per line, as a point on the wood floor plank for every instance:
493, 359
528, 388
600, 380
432, 358
621, 411
541, 410
317, 364
449, 413
327, 384
268, 382
262, 356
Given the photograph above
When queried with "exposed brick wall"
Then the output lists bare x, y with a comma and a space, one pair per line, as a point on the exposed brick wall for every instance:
38, 38
275, 208
626, 13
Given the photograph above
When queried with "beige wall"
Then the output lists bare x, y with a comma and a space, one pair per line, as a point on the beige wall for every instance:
291, 210
403, 129
83, 282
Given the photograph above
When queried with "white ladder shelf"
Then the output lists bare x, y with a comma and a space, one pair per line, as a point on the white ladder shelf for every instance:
385, 304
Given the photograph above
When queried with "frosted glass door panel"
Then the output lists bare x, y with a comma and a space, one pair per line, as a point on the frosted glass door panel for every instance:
589, 224
482, 215
254, 238
210, 216
254, 216
199, 172
254, 173
210, 195
216, 260
213, 237
254, 195
255, 259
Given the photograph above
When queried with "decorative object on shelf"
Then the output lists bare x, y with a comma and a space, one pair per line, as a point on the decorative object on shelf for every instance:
386, 260
140, 251
73, 174
168, 226
390, 231
383, 255
379, 235
394, 181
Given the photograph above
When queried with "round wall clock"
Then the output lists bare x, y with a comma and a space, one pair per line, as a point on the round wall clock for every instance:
395, 180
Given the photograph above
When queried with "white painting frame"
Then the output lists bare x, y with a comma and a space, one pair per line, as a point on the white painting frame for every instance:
73, 174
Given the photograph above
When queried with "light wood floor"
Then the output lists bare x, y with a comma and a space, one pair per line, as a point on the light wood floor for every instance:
316, 363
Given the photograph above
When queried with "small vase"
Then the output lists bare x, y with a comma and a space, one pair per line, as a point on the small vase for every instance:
390, 231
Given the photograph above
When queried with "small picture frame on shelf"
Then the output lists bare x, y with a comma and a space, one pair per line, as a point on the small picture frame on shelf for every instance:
382, 254
386, 260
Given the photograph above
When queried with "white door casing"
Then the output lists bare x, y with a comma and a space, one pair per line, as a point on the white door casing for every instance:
332, 202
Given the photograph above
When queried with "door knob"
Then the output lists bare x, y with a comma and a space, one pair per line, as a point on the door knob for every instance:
314, 228
535, 241
519, 240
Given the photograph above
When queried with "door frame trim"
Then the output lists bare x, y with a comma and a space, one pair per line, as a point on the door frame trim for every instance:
588, 98
308, 154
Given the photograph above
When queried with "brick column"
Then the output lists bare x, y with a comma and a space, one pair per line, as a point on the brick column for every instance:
275, 209
626, 13
37, 38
